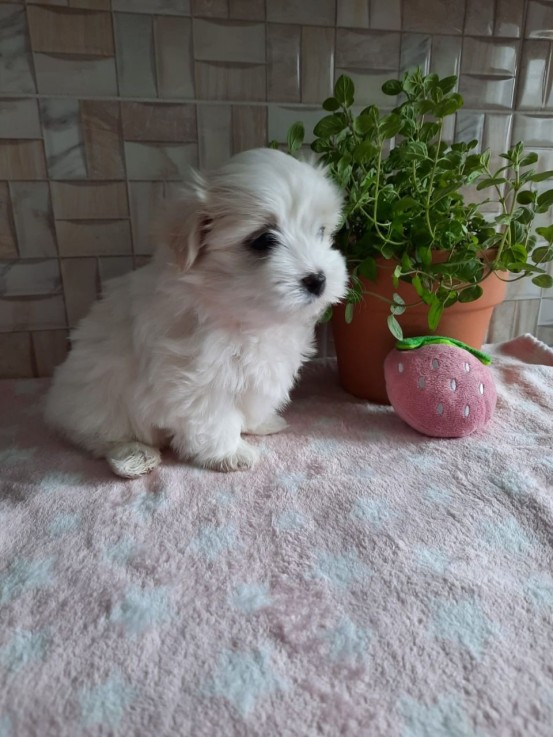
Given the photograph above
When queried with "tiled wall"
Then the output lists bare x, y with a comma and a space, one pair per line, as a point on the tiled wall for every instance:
105, 105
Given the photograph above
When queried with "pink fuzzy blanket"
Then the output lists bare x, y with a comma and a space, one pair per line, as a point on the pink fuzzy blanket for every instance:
362, 580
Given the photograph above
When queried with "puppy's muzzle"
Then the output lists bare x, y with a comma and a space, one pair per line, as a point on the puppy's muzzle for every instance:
315, 283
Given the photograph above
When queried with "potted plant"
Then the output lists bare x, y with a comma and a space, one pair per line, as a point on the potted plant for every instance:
421, 253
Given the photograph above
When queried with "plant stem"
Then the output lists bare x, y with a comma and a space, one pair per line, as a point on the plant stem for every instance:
431, 184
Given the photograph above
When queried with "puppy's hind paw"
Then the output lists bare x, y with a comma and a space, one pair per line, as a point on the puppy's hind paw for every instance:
245, 456
271, 426
131, 460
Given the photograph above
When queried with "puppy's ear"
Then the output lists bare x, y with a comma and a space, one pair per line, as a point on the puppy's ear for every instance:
183, 224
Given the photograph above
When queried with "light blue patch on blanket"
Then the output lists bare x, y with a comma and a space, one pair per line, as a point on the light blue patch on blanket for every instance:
24, 647
105, 704
445, 718
245, 677
142, 609
24, 574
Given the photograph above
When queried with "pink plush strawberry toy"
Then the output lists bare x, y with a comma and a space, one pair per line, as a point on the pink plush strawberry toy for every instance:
440, 386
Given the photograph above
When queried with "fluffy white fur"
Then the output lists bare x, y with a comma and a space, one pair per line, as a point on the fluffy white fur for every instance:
204, 343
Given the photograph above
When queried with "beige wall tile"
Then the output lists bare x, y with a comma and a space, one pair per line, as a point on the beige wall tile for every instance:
216, 140
30, 277
135, 55
87, 200
479, 18
80, 284
16, 361
34, 221
367, 50
210, 8
50, 348
232, 41
353, 13
222, 81
144, 201
159, 7
64, 31
446, 55
317, 63
247, 9
64, 75
434, 17
158, 122
19, 119
509, 18
110, 267
93, 238
385, 14
489, 57
283, 63
485, 92
307, 12
249, 127
168, 161
16, 68
61, 127
91, 4
535, 85
539, 20
8, 247
20, 160
534, 130
101, 132
173, 57
32, 313
281, 117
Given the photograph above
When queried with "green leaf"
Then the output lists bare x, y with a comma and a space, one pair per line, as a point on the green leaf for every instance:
447, 84
470, 294
526, 197
296, 135
349, 312
394, 327
543, 280
390, 125
392, 87
542, 254
424, 254
368, 269
493, 181
448, 106
417, 283
434, 314
273, 144
344, 91
546, 233
326, 316
529, 159
406, 203
364, 152
542, 176
331, 104
330, 125
545, 199
398, 299
364, 124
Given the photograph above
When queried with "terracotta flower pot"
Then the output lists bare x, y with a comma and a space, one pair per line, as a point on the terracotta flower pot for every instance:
362, 346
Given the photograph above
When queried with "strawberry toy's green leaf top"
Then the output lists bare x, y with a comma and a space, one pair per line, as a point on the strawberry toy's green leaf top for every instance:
410, 344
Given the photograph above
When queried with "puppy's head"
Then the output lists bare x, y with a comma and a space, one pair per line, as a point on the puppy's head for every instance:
256, 235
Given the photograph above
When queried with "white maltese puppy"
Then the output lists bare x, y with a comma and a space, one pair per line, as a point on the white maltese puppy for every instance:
204, 343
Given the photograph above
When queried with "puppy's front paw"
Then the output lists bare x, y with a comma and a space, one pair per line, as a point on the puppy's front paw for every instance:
243, 458
271, 426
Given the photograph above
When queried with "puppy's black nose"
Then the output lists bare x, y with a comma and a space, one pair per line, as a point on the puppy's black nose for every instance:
315, 283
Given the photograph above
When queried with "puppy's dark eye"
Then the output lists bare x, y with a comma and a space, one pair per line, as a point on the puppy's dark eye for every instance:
264, 242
